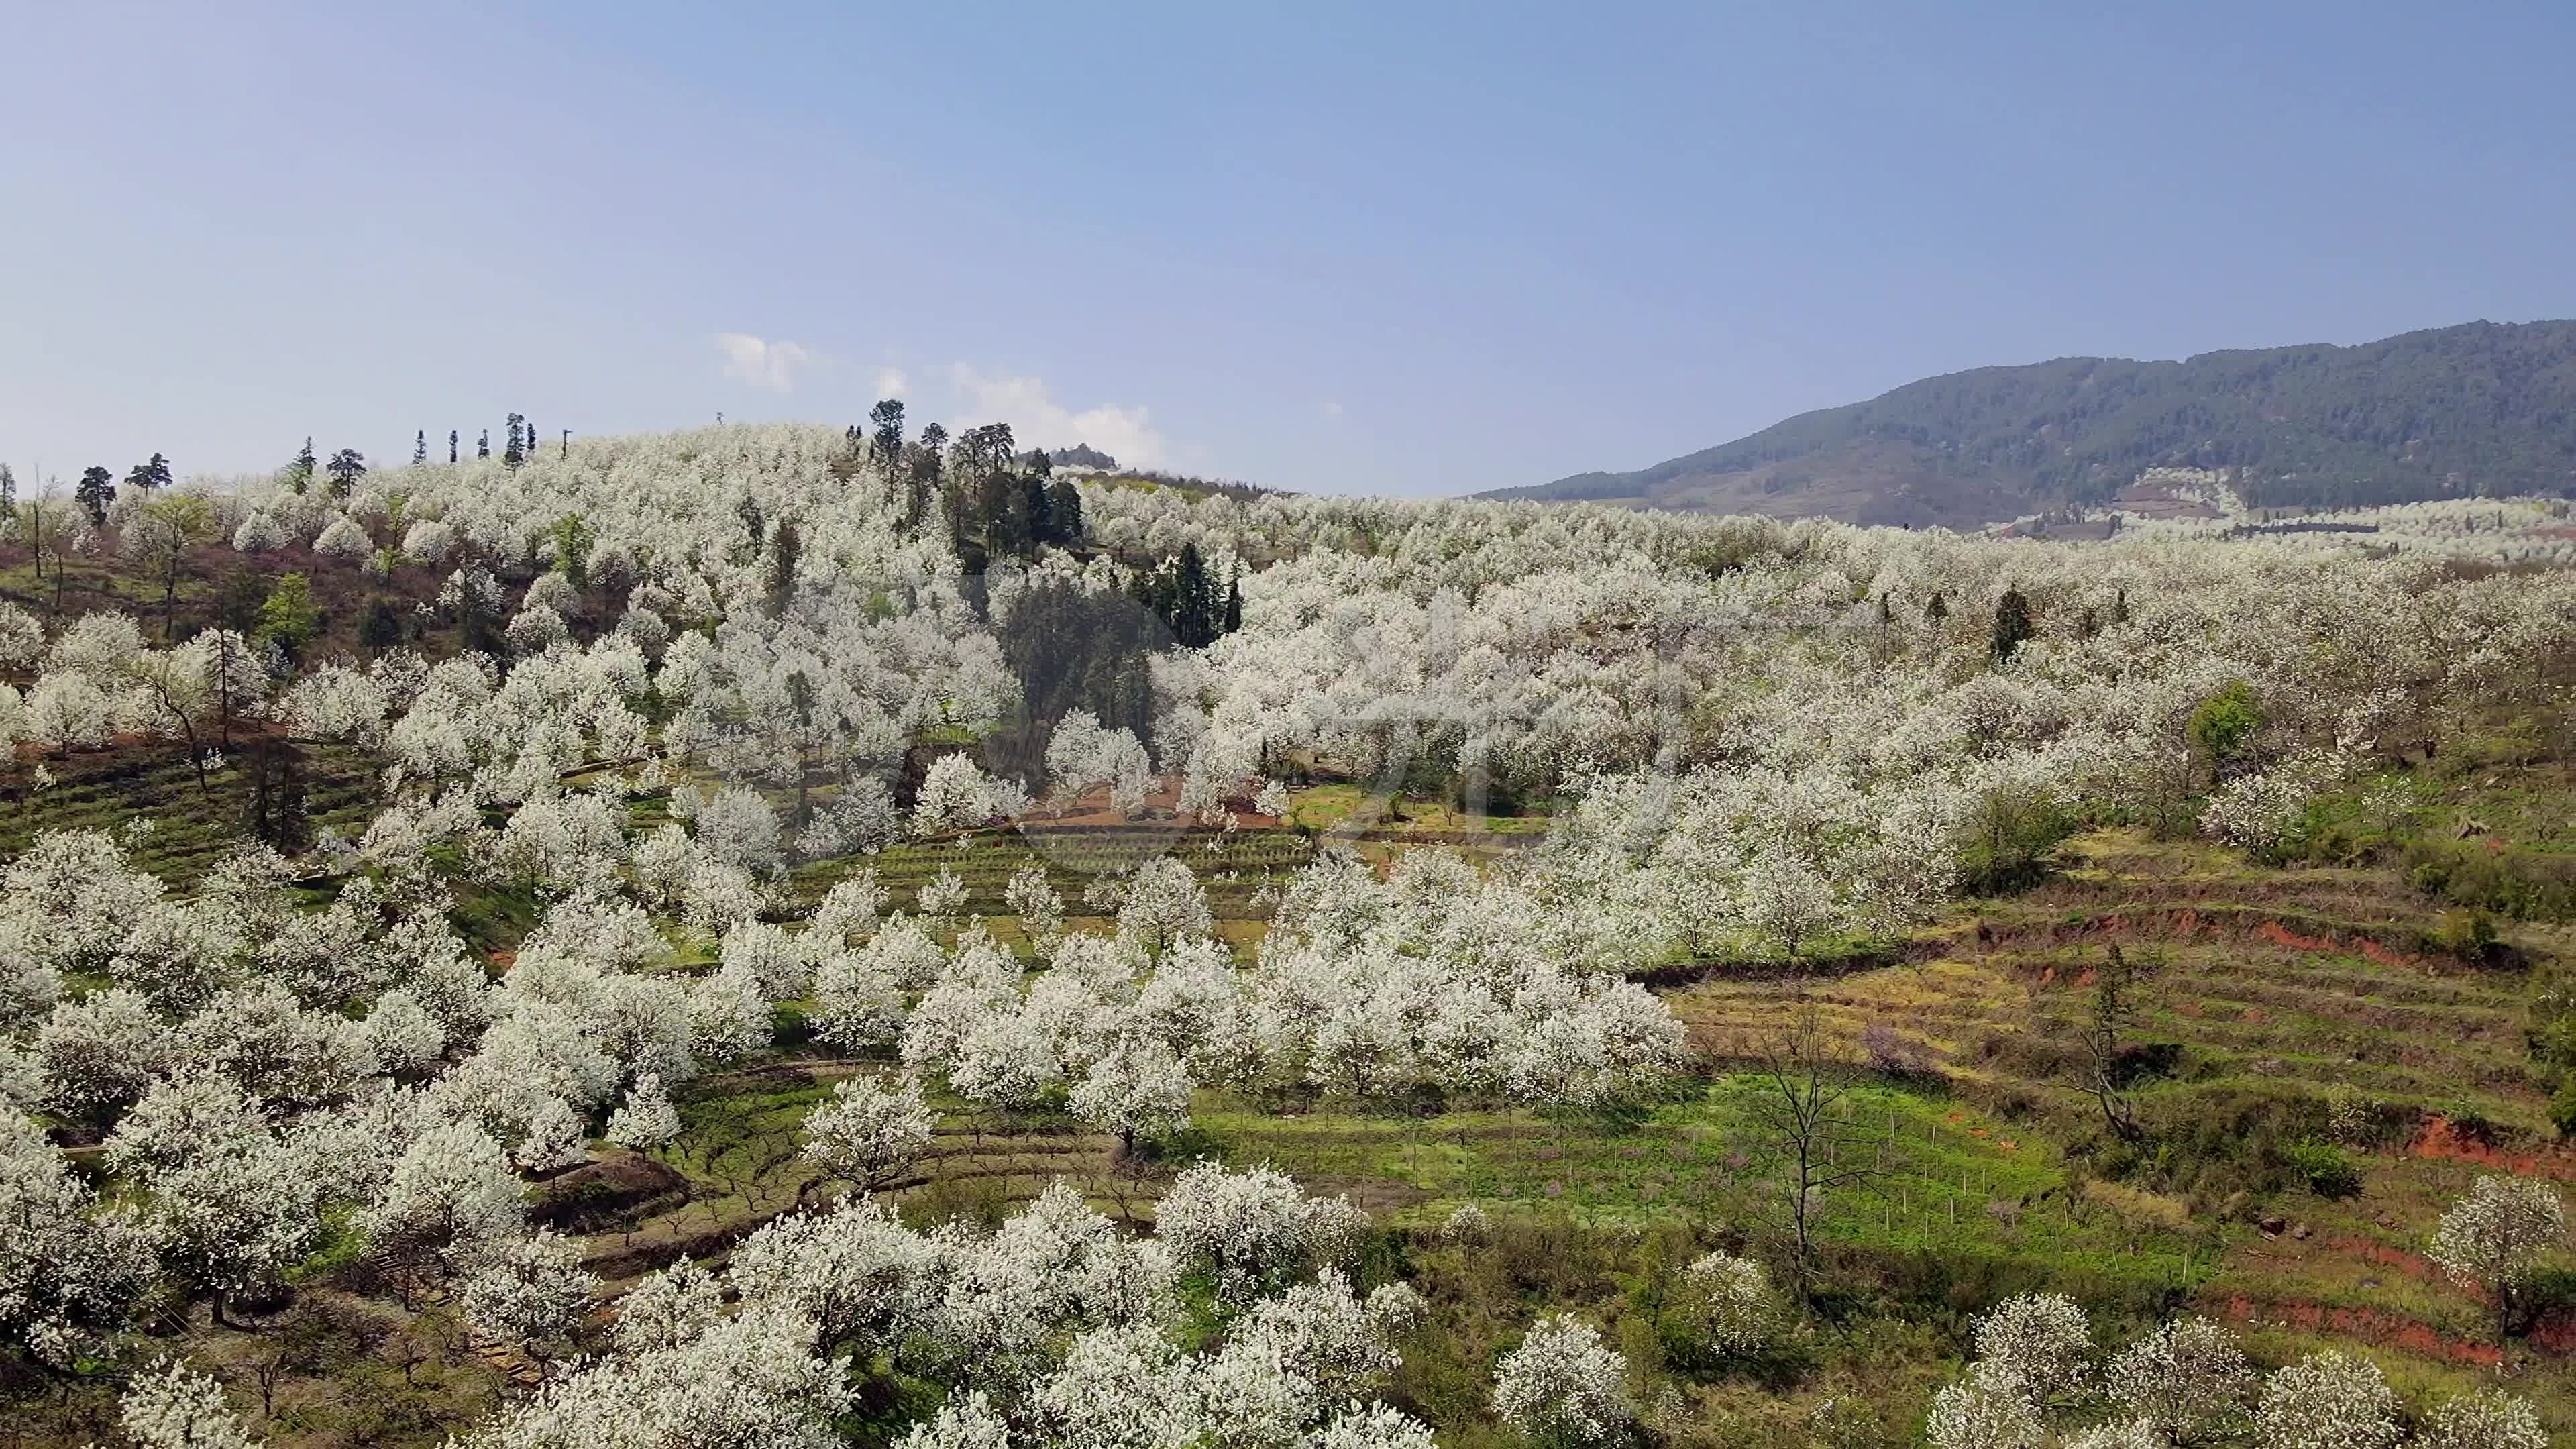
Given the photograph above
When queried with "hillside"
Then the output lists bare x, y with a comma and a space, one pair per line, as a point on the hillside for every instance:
707, 960
2482, 408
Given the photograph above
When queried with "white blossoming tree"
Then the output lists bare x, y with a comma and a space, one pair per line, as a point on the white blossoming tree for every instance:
2496, 1237
1564, 1386
870, 1134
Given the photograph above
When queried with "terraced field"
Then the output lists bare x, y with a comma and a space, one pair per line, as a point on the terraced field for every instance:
188, 830
2314, 1007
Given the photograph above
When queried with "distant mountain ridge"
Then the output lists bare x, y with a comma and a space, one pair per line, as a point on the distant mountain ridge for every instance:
2483, 407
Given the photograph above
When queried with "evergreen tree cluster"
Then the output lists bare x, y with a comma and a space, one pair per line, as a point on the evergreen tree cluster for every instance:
1183, 594
1000, 504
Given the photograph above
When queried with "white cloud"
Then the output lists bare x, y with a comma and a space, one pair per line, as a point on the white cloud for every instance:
1038, 421
761, 363
892, 383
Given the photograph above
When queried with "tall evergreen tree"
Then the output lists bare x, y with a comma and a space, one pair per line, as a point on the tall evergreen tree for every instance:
347, 466
885, 442
299, 474
420, 447
2012, 624
1064, 511
451, 445
1194, 607
277, 815
483, 444
1233, 604
513, 451
97, 490
786, 545
144, 478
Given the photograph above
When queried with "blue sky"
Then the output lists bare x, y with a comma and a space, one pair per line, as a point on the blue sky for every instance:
1414, 248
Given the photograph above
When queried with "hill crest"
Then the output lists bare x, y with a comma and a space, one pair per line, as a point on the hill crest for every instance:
2483, 407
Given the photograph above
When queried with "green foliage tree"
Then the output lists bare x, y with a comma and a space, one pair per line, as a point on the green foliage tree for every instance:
451, 445
299, 473
420, 447
288, 618
573, 538
514, 449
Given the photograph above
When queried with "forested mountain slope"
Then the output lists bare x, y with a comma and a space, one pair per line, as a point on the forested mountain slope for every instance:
2481, 409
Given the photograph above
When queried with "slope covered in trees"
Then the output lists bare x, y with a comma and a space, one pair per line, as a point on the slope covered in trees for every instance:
2481, 409
813, 937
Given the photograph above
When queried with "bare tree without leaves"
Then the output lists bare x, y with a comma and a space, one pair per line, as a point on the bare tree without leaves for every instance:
1803, 1079
2102, 1034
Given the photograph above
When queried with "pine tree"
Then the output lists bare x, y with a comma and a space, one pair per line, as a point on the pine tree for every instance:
483, 444
2012, 624
277, 816
451, 445
420, 447
1194, 606
786, 546
347, 466
97, 490
1064, 511
1233, 604
885, 444
512, 451
299, 473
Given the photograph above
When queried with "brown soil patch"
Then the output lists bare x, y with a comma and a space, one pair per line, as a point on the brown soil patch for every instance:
2441, 1141
2388, 1329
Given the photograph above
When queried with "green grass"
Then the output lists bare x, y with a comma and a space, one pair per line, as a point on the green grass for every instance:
1953, 1181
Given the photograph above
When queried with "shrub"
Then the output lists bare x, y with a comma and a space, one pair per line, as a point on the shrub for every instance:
2328, 1170
2009, 840
2465, 933
2562, 1107
2226, 721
